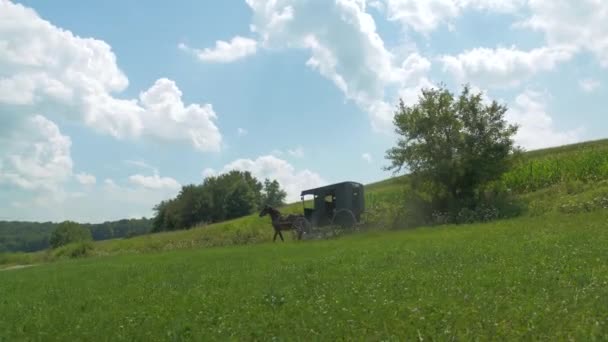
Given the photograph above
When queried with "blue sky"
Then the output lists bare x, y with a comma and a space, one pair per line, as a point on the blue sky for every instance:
106, 108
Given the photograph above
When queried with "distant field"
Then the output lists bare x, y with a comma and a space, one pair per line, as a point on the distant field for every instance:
521, 279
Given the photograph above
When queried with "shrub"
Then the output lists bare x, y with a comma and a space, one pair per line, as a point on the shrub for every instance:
74, 250
68, 232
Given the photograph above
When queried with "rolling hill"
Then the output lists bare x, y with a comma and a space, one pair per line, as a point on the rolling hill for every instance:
542, 275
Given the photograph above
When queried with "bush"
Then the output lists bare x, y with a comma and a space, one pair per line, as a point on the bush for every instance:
74, 250
68, 232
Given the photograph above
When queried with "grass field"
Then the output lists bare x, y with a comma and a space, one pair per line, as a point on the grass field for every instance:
543, 275
526, 278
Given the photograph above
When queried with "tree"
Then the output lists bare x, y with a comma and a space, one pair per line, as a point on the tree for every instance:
273, 195
68, 232
452, 146
226, 196
240, 201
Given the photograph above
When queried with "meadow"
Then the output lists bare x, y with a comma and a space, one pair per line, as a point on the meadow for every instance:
542, 275
526, 278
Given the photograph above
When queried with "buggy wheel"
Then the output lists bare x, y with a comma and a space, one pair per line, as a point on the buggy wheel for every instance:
344, 218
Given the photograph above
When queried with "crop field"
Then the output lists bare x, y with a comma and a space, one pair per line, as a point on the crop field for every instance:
587, 162
526, 278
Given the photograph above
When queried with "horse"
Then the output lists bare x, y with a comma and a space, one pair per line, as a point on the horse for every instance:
280, 222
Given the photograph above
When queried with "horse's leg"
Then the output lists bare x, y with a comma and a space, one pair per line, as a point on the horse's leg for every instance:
276, 232
281, 235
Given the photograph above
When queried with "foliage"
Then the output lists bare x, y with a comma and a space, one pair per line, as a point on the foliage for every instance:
74, 250
68, 232
387, 207
273, 195
523, 279
452, 146
588, 164
18, 236
218, 198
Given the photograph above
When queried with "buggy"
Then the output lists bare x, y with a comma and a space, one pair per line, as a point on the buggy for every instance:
339, 204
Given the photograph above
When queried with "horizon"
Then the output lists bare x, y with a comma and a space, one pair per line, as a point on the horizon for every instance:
109, 108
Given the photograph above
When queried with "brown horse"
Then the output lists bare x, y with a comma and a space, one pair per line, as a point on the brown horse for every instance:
280, 222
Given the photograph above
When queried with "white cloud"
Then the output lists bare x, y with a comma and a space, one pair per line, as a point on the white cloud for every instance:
241, 132
367, 157
426, 16
42, 65
119, 201
291, 180
536, 125
154, 182
503, 66
422, 16
85, 178
297, 152
225, 52
208, 172
344, 47
589, 85
167, 117
141, 164
36, 156
108, 182
581, 23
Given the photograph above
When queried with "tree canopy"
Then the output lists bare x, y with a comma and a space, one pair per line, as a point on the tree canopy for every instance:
452, 145
69, 232
218, 198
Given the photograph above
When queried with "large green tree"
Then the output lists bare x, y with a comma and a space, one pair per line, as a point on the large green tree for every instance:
218, 198
452, 145
68, 232
273, 195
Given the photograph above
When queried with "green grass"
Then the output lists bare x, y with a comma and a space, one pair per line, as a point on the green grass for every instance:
586, 162
565, 178
540, 276
527, 278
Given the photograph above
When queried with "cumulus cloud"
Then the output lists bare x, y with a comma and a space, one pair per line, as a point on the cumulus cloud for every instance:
86, 178
589, 85
42, 65
426, 16
536, 125
225, 52
36, 156
290, 179
241, 132
503, 66
582, 24
208, 172
154, 182
297, 152
367, 157
167, 117
344, 47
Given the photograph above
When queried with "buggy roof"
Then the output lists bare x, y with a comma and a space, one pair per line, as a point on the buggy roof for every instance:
326, 188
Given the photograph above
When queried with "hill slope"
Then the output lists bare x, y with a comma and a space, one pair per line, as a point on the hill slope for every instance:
570, 178
527, 278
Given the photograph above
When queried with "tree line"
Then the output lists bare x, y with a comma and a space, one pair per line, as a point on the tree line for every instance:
20, 236
227, 196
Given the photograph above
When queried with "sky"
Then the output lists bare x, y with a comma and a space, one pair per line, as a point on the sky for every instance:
109, 107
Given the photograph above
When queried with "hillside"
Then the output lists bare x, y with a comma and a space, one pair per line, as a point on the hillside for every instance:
567, 178
524, 279
541, 275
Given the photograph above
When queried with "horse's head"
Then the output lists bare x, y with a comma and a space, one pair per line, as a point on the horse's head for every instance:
265, 211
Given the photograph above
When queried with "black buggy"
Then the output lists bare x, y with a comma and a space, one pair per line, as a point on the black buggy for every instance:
339, 204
